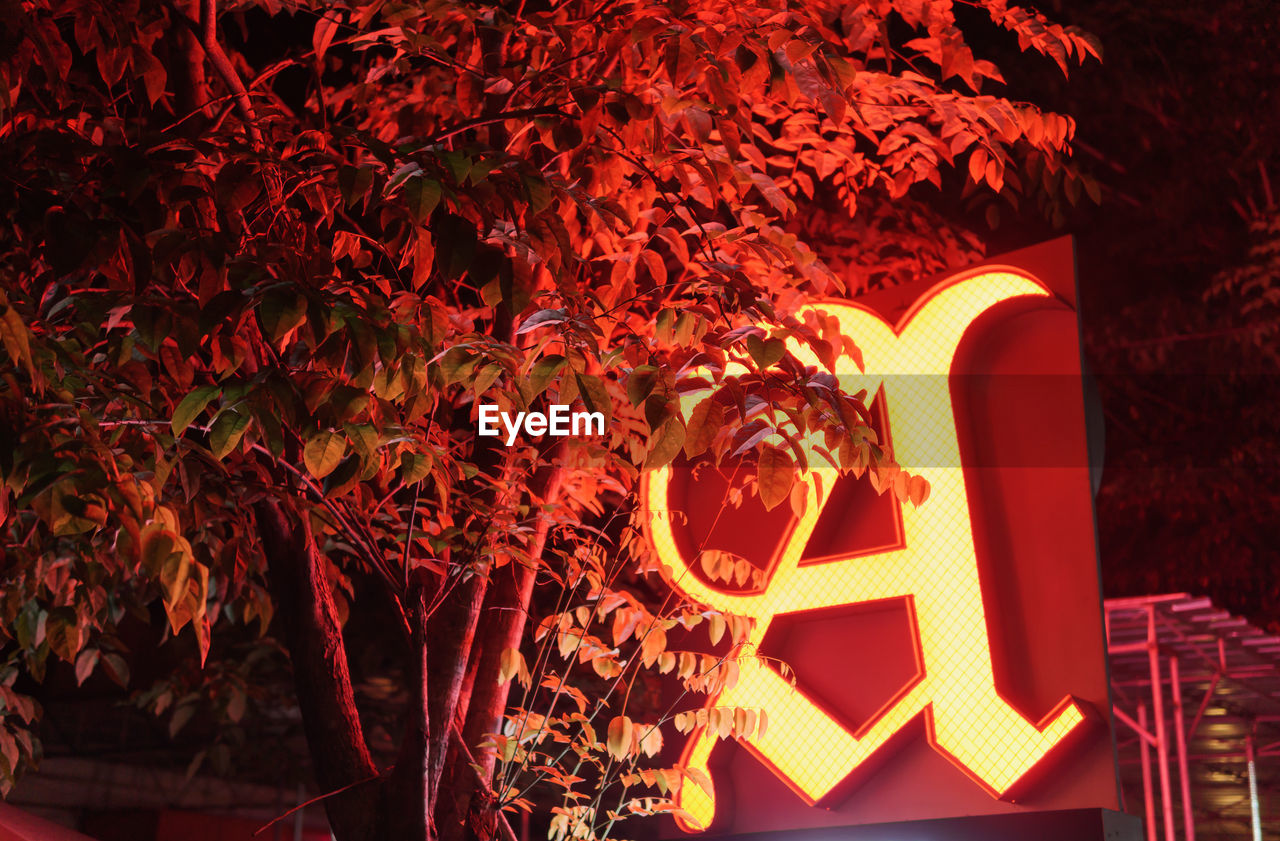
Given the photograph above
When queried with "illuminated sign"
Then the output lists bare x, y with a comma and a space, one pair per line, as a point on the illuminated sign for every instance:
935, 569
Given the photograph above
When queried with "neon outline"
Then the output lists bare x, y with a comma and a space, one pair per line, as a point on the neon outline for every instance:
966, 720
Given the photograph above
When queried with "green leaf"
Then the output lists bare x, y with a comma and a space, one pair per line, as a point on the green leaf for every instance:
776, 475
457, 364
281, 312
488, 376
665, 443
641, 382
364, 437
191, 407
226, 433
594, 396
414, 467
346, 401
354, 183
544, 370
422, 194
322, 453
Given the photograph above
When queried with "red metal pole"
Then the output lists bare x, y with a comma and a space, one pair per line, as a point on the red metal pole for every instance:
1204, 704
1184, 776
1255, 817
1148, 798
1162, 736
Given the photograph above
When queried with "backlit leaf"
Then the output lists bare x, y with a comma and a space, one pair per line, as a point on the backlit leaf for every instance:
619, 739
776, 475
322, 453
704, 423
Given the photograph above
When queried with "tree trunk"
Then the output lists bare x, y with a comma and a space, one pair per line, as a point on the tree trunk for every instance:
309, 623
505, 615
409, 797
452, 629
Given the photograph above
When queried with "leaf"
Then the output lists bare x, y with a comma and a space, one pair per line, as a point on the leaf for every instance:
665, 443
765, 352
700, 777
641, 382
653, 645
354, 183
191, 407
704, 423
13, 333
152, 72
510, 664
715, 628
422, 195
226, 432
619, 740
544, 370
414, 467
180, 718
322, 453
9, 749
424, 258
543, 318
776, 475
62, 631
117, 669
236, 706
281, 312
594, 396
918, 490
84, 665
175, 572
651, 740
322, 36
657, 269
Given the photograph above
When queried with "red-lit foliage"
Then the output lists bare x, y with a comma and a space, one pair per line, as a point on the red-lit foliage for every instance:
259, 269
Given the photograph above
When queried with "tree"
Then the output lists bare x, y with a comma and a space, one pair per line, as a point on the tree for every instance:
261, 265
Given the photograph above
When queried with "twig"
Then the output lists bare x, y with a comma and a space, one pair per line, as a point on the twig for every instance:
315, 799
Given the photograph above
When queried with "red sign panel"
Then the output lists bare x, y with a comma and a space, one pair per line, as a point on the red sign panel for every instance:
930, 593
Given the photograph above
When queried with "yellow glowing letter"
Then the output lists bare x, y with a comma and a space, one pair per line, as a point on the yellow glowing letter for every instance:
966, 719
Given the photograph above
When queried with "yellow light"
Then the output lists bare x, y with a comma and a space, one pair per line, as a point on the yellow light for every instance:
936, 570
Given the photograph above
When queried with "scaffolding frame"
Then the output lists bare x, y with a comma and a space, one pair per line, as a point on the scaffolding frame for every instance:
1172, 653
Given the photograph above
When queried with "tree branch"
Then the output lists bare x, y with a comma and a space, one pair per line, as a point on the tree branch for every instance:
222, 64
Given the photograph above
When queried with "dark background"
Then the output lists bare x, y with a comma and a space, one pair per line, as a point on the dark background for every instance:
1180, 124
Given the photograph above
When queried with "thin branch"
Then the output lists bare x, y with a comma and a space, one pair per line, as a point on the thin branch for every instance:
222, 64
307, 803
477, 122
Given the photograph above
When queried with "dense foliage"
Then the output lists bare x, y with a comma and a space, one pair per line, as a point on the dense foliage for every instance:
259, 270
